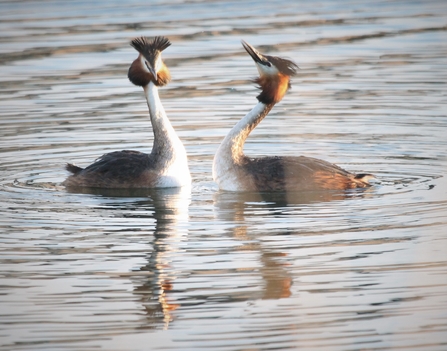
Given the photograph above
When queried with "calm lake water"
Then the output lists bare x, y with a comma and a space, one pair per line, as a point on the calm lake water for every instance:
199, 269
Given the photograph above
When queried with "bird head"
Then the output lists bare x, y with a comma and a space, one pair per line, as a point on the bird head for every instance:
274, 74
149, 66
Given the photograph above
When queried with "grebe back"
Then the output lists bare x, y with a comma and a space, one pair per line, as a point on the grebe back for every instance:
234, 171
166, 166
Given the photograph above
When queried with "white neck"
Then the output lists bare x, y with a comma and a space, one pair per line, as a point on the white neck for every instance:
166, 141
168, 151
231, 150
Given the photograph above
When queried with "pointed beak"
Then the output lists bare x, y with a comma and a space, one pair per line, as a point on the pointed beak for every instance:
255, 54
151, 70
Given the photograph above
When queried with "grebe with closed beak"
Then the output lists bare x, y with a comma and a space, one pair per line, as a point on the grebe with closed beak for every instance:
234, 171
167, 165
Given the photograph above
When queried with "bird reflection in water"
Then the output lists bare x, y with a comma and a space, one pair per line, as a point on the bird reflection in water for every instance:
239, 207
171, 217
153, 281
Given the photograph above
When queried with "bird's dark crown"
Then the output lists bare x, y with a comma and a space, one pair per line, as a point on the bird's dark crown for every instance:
146, 46
283, 65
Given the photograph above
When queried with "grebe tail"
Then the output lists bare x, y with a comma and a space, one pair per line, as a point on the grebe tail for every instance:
166, 166
234, 171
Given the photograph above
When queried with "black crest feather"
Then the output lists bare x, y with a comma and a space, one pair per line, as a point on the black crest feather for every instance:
146, 46
283, 65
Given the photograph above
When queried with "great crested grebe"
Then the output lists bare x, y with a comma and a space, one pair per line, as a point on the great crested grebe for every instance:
167, 165
234, 171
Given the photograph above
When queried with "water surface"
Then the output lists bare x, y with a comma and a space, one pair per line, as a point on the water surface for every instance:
191, 269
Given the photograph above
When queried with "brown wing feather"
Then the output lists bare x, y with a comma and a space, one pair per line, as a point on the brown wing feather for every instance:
73, 168
119, 169
299, 173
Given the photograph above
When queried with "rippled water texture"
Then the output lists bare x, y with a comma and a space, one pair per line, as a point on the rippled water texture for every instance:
199, 269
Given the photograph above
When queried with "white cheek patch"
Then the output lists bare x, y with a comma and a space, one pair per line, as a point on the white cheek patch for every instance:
144, 63
266, 70
158, 63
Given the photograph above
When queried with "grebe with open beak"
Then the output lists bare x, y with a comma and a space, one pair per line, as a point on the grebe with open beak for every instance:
234, 171
167, 165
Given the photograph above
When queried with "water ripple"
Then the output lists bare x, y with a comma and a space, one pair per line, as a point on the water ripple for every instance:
198, 268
